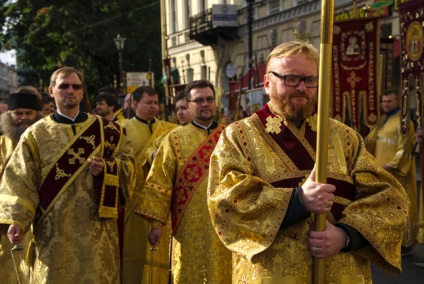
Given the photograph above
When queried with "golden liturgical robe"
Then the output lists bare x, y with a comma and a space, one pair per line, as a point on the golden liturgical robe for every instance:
72, 244
392, 149
198, 256
7, 270
253, 170
140, 264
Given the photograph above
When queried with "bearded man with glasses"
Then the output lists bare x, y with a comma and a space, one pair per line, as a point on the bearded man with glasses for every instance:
262, 193
68, 176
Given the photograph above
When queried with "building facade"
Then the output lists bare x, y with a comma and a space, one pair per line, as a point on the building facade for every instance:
202, 50
8, 80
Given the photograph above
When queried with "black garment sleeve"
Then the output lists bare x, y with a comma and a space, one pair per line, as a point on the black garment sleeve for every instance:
296, 211
357, 241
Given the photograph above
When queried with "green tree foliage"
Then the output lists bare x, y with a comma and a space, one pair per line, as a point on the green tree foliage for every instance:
48, 34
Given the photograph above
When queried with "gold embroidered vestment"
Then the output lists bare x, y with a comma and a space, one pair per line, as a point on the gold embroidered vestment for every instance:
247, 210
72, 243
198, 256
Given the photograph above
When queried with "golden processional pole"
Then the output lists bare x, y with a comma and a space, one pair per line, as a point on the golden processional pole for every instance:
327, 15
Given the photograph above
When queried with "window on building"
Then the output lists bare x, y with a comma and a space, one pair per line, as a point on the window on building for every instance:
187, 13
173, 16
298, 2
203, 4
273, 6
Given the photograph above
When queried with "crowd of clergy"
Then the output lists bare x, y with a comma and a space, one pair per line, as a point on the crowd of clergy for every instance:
116, 194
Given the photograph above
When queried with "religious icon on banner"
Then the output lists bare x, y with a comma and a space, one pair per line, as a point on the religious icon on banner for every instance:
353, 47
414, 41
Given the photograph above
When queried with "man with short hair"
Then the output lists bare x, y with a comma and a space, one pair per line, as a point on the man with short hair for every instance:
184, 117
394, 151
181, 109
176, 186
263, 195
142, 130
68, 175
23, 113
107, 106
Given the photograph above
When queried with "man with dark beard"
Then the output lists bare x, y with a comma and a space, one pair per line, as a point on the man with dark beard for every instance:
107, 106
23, 111
262, 193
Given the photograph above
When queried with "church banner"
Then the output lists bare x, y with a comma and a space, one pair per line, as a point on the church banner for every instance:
411, 17
356, 49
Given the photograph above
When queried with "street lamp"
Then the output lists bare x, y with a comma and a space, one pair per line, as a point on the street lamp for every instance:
119, 42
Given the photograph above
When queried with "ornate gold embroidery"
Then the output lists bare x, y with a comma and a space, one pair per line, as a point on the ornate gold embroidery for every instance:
353, 79
313, 122
60, 173
90, 140
273, 124
76, 156
192, 174
111, 125
111, 146
111, 165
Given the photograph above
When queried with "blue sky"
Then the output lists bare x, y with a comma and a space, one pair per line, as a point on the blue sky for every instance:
8, 57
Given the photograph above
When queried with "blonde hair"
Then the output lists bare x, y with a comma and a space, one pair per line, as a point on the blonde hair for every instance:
291, 48
65, 72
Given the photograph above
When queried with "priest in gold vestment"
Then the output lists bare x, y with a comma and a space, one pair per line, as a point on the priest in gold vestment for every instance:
140, 263
67, 176
262, 193
176, 187
394, 152
23, 112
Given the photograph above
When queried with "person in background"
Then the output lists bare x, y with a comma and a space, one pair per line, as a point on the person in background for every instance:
182, 110
139, 263
263, 194
394, 152
173, 189
47, 102
184, 117
107, 106
118, 112
127, 107
67, 176
23, 113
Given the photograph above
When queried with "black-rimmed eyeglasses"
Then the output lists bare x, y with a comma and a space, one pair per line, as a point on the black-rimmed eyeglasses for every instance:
294, 80
200, 101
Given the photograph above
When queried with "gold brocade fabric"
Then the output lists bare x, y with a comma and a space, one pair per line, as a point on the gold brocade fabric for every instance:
119, 116
247, 210
6, 150
7, 270
198, 256
72, 244
137, 256
395, 150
